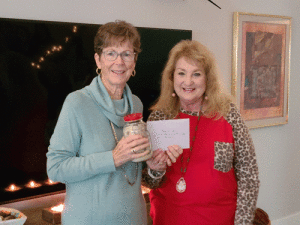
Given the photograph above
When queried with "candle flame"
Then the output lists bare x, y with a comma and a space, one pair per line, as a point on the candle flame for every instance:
50, 182
12, 188
33, 184
145, 190
58, 208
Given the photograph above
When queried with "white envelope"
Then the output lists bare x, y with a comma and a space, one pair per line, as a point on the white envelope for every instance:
164, 133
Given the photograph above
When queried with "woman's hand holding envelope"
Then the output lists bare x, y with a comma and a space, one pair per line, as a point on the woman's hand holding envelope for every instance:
160, 159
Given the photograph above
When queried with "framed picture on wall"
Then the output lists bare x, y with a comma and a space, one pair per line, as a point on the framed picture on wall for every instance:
261, 67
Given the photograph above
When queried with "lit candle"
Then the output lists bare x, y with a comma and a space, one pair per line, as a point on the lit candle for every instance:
12, 188
145, 190
32, 184
53, 214
58, 208
50, 182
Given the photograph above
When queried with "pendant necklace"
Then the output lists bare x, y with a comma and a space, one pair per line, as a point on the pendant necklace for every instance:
123, 168
181, 184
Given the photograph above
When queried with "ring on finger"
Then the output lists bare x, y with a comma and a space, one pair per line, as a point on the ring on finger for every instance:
133, 151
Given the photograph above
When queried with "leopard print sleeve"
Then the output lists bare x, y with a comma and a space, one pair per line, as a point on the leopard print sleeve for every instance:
148, 181
157, 115
245, 167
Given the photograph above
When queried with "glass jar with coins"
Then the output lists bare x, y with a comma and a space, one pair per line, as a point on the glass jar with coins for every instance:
134, 124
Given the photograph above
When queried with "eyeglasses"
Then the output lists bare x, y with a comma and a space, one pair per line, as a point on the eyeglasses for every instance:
126, 56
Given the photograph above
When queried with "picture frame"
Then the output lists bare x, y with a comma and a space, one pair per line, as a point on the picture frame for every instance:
261, 68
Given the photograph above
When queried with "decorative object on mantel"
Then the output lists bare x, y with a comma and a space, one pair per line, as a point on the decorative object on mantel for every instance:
53, 214
12, 188
30, 184
50, 182
9, 216
33, 184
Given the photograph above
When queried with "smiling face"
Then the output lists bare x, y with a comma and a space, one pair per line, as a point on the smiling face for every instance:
189, 83
115, 73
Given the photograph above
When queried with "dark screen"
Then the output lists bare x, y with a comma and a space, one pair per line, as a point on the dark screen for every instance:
41, 62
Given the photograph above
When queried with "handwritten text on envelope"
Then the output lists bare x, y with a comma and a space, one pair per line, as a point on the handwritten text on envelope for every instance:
164, 133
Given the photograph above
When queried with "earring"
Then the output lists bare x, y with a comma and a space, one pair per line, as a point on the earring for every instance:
97, 71
173, 95
133, 73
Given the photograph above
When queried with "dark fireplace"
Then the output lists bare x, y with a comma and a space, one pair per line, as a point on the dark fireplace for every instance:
41, 62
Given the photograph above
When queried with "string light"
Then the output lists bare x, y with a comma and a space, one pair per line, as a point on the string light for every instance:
75, 29
53, 50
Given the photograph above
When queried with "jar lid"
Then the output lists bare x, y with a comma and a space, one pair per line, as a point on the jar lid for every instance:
133, 117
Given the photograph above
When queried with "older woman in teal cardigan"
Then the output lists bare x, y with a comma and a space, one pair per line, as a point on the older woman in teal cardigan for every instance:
87, 150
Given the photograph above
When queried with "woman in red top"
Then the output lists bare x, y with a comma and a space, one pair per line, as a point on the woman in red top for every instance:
215, 181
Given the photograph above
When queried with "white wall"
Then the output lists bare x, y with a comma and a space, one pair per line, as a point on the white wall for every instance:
277, 147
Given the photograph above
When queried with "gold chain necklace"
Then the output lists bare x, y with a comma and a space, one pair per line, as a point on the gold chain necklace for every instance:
123, 168
181, 184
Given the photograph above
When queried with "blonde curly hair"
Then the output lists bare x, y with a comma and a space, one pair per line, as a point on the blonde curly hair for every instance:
217, 102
